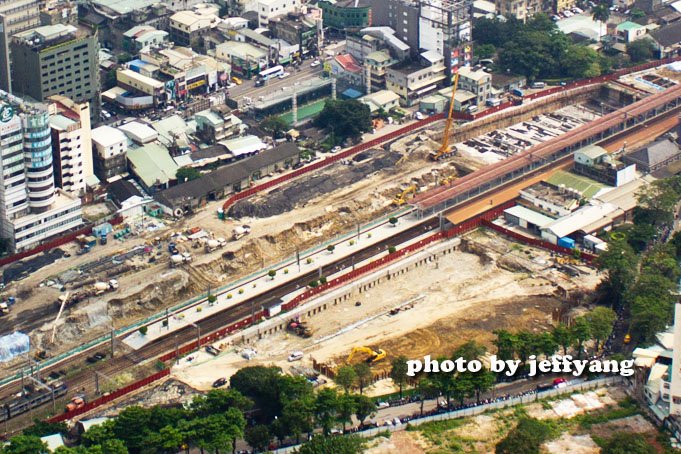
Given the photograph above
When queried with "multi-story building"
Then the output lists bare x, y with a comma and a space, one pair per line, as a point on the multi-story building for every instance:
15, 16
111, 146
377, 63
297, 30
141, 36
477, 82
411, 80
341, 15
372, 39
186, 27
31, 209
71, 144
57, 60
270, 9
520, 9
216, 124
400, 15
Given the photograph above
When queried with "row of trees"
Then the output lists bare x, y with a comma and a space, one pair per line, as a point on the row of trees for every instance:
641, 270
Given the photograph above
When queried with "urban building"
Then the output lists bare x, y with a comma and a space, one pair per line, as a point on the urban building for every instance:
595, 162
628, 31
299, 30
667, 39
111, 146
377, 63
71, 144
31, 208
655, 156
551, 200
341, 15
476, 81
186, 27
373, 39
562, 5
520, 9
153, 166
403, 16
216, 124
245, 59
141, 36
57, 60
15, 16
346, 69
270, 9
413, 79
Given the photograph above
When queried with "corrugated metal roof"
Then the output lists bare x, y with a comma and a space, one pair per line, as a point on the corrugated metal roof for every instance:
530, 216
153, 164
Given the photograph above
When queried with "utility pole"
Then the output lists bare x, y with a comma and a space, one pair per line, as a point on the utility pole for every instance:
113, 339
177, 350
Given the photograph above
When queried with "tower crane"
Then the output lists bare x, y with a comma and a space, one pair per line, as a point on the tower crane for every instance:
445, 150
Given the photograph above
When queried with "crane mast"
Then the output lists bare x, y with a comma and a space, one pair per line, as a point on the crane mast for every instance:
445, 150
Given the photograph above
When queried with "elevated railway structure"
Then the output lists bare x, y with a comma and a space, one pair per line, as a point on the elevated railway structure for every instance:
548, 154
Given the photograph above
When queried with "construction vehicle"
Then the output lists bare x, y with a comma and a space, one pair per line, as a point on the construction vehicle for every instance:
96, 289
76, 403
445, 150
217, 243
240, 232
172, 248
567, 260
178, 259
373, 355
446, 181
401, 198
299, 328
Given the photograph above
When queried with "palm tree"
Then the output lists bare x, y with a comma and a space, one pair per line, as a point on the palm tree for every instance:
601, 13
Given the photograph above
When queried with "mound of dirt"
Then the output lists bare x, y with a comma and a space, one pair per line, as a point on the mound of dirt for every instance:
298, 193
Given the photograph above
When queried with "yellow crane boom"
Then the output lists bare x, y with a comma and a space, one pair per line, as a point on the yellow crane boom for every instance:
445, 150
401, 198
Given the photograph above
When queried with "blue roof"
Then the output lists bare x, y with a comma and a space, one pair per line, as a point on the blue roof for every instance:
352, 93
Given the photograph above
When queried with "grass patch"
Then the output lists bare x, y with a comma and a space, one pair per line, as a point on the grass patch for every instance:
624, 409
433, 430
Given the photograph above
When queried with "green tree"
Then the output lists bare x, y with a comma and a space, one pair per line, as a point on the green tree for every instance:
346, 377
330, 248
398, 372
640, 50
25, 444
219, 401
363, 372
258, 437
326, 408
297, 416
601, 321
44, 428
636, 14
580, 62
545, 344
184, 174
364, 407
563, 336
469, 351
628, 443
168, 439
484, 51
393, 220
333, 445
275, 126
581, 332
620, 264
123, 57
601, 13
261, 384
345, 118
132, 426
143, 330
525, 438
346, 408
659, 200
506, 344
272, 273
96, 435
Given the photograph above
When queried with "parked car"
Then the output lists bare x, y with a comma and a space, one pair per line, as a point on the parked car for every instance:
295, 356
335, 149
380, 405
559, 383
219, 382
284, 75
315, 63
212, 350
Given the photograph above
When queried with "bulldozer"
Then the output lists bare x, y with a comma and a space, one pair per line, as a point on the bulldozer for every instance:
445, 150
401, 198
373, 355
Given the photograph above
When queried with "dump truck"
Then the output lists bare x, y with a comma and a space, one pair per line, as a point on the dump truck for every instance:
101, 287
299, 328
76, 403
96, 289
217, 243
240, 232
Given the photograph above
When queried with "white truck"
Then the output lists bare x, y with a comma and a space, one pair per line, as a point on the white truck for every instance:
101, 287
217, 243
240, 232
178, 259
4, 309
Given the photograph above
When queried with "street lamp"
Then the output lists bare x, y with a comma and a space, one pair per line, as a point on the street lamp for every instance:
198, 335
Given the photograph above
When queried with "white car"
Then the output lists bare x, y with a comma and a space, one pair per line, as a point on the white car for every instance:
335, 149
295, 356
315, 63
419, 116
284, 75
380, 405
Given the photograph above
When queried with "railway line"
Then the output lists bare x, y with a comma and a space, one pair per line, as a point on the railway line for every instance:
85, 380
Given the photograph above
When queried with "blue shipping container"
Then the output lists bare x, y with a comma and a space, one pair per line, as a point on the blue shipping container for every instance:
567, 242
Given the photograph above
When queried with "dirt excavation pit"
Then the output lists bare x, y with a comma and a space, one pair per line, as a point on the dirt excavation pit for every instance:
300, 192
460, 297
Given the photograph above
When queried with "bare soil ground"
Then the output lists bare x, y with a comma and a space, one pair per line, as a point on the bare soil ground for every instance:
463, 296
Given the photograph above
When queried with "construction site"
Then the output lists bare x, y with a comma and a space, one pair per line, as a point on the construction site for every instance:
425, 303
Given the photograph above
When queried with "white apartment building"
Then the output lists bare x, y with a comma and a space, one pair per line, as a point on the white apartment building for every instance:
109, 142
269, 9
31, 210
71, 144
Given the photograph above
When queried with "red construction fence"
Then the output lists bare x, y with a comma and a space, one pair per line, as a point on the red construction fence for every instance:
110, 397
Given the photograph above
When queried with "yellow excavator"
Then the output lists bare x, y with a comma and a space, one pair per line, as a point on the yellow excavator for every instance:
445, 150
401, 198
373, 355
446, 181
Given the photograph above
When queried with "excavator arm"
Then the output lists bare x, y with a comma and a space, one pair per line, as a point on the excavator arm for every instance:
373, 355
445, 150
